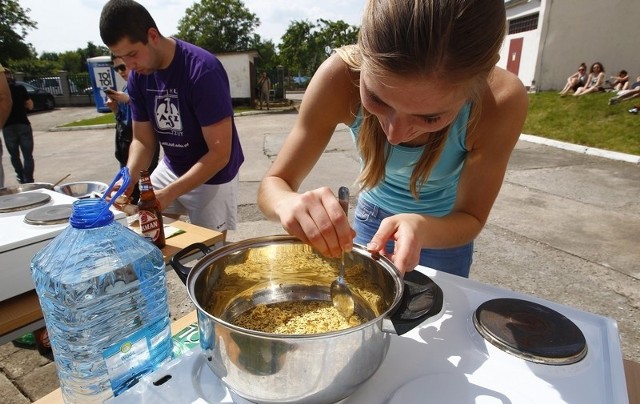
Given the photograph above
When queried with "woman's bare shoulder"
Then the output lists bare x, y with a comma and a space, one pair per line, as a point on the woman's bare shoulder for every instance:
503, 107
334, 89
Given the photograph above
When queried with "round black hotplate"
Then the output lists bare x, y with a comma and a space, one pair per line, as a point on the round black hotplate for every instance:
530, 331
22, 201
46, 215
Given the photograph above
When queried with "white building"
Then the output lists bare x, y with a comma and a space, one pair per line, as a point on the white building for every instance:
548, 39
241, 70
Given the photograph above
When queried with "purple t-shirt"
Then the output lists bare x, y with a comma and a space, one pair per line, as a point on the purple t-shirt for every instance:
178, 101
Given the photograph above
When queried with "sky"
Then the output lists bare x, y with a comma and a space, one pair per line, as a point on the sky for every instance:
66, 25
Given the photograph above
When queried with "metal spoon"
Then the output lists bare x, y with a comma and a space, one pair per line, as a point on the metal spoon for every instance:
341, 295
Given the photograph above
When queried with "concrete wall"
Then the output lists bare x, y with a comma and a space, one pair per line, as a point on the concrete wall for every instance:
589, 31
573, 31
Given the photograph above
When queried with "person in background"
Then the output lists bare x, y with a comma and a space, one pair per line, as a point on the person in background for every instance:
17, 131
576, 80
118, 102
5, 110
434, 121
179, 96
628, 94
621, 81
264, 84
595, 81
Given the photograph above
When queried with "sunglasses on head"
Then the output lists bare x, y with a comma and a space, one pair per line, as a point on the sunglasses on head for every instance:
120, 68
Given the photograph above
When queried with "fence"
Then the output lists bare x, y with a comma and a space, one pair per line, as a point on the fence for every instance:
70, 90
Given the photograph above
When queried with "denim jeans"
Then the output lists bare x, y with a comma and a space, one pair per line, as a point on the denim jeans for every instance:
19, 138
455, 260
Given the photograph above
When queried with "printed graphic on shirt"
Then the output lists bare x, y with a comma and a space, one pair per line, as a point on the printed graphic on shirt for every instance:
168, 113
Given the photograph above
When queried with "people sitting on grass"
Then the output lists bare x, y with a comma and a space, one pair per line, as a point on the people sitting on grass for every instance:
628, 94
595, 81
576, 80
620, 82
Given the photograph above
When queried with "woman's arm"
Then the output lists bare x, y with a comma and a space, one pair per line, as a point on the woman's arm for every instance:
315, 216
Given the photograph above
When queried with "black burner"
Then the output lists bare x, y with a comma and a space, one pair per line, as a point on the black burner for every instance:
22, 201
47, 215
530, 331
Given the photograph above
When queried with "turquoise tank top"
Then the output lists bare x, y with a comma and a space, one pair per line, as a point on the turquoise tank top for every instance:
438, 194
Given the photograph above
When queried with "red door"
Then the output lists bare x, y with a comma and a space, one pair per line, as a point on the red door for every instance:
515, 51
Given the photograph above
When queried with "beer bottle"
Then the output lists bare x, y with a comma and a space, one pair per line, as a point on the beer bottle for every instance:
151, 225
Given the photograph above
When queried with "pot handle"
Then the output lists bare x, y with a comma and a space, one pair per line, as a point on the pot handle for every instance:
180, 269
422, 299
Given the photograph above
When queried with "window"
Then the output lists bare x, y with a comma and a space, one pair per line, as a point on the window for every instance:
522, 24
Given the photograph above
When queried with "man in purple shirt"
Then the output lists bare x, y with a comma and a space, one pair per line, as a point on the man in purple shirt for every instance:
180, 96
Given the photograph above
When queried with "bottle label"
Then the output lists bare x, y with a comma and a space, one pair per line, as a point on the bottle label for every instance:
125, 359
149, 225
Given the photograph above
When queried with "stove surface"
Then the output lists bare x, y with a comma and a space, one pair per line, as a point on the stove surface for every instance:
22, 233
444, 361
20, 241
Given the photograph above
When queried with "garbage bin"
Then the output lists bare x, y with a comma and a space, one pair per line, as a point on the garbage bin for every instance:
102, 76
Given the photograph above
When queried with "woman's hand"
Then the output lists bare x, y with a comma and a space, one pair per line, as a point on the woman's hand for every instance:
317, 218
404, 230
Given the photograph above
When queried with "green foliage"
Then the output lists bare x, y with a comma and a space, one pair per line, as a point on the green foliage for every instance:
306, 45
269, 59
218, 25
14, 24
586, 120
35, 67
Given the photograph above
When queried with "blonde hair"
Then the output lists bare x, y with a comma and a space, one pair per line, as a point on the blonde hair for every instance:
419, 39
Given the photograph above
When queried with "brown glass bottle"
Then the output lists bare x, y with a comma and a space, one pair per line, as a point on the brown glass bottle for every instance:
151, 225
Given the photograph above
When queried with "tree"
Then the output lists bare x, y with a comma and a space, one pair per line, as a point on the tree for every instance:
14, 24
268, 57
218, 25
334, 34
297, 48
306, 45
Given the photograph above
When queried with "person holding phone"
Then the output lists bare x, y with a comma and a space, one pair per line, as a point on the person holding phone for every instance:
118, 102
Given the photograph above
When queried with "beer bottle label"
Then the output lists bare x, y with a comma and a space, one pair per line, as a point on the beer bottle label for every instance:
149, 225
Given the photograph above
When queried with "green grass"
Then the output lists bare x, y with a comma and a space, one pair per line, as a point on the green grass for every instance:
98, 120
585, 120
107, 118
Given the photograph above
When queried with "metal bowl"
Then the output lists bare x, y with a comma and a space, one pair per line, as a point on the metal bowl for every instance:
82, 189
16, 189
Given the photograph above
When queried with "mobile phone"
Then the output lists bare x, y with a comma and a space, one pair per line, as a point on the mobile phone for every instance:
109, 91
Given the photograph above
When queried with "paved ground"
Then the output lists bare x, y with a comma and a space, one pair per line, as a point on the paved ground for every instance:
566, 226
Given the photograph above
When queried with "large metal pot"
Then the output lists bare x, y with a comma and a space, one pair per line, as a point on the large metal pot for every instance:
317, 368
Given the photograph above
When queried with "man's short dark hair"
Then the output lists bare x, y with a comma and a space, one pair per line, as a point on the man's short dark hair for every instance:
125, 19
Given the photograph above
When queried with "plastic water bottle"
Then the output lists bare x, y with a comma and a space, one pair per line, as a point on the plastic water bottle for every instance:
103, 293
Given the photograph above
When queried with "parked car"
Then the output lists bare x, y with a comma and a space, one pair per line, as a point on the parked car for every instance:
42, 99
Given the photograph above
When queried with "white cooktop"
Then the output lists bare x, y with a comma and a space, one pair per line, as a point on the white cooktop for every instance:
20, 241
16, 233
443, 361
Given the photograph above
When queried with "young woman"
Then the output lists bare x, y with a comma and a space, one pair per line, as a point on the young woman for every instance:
434, 121
576, 80
595, 82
